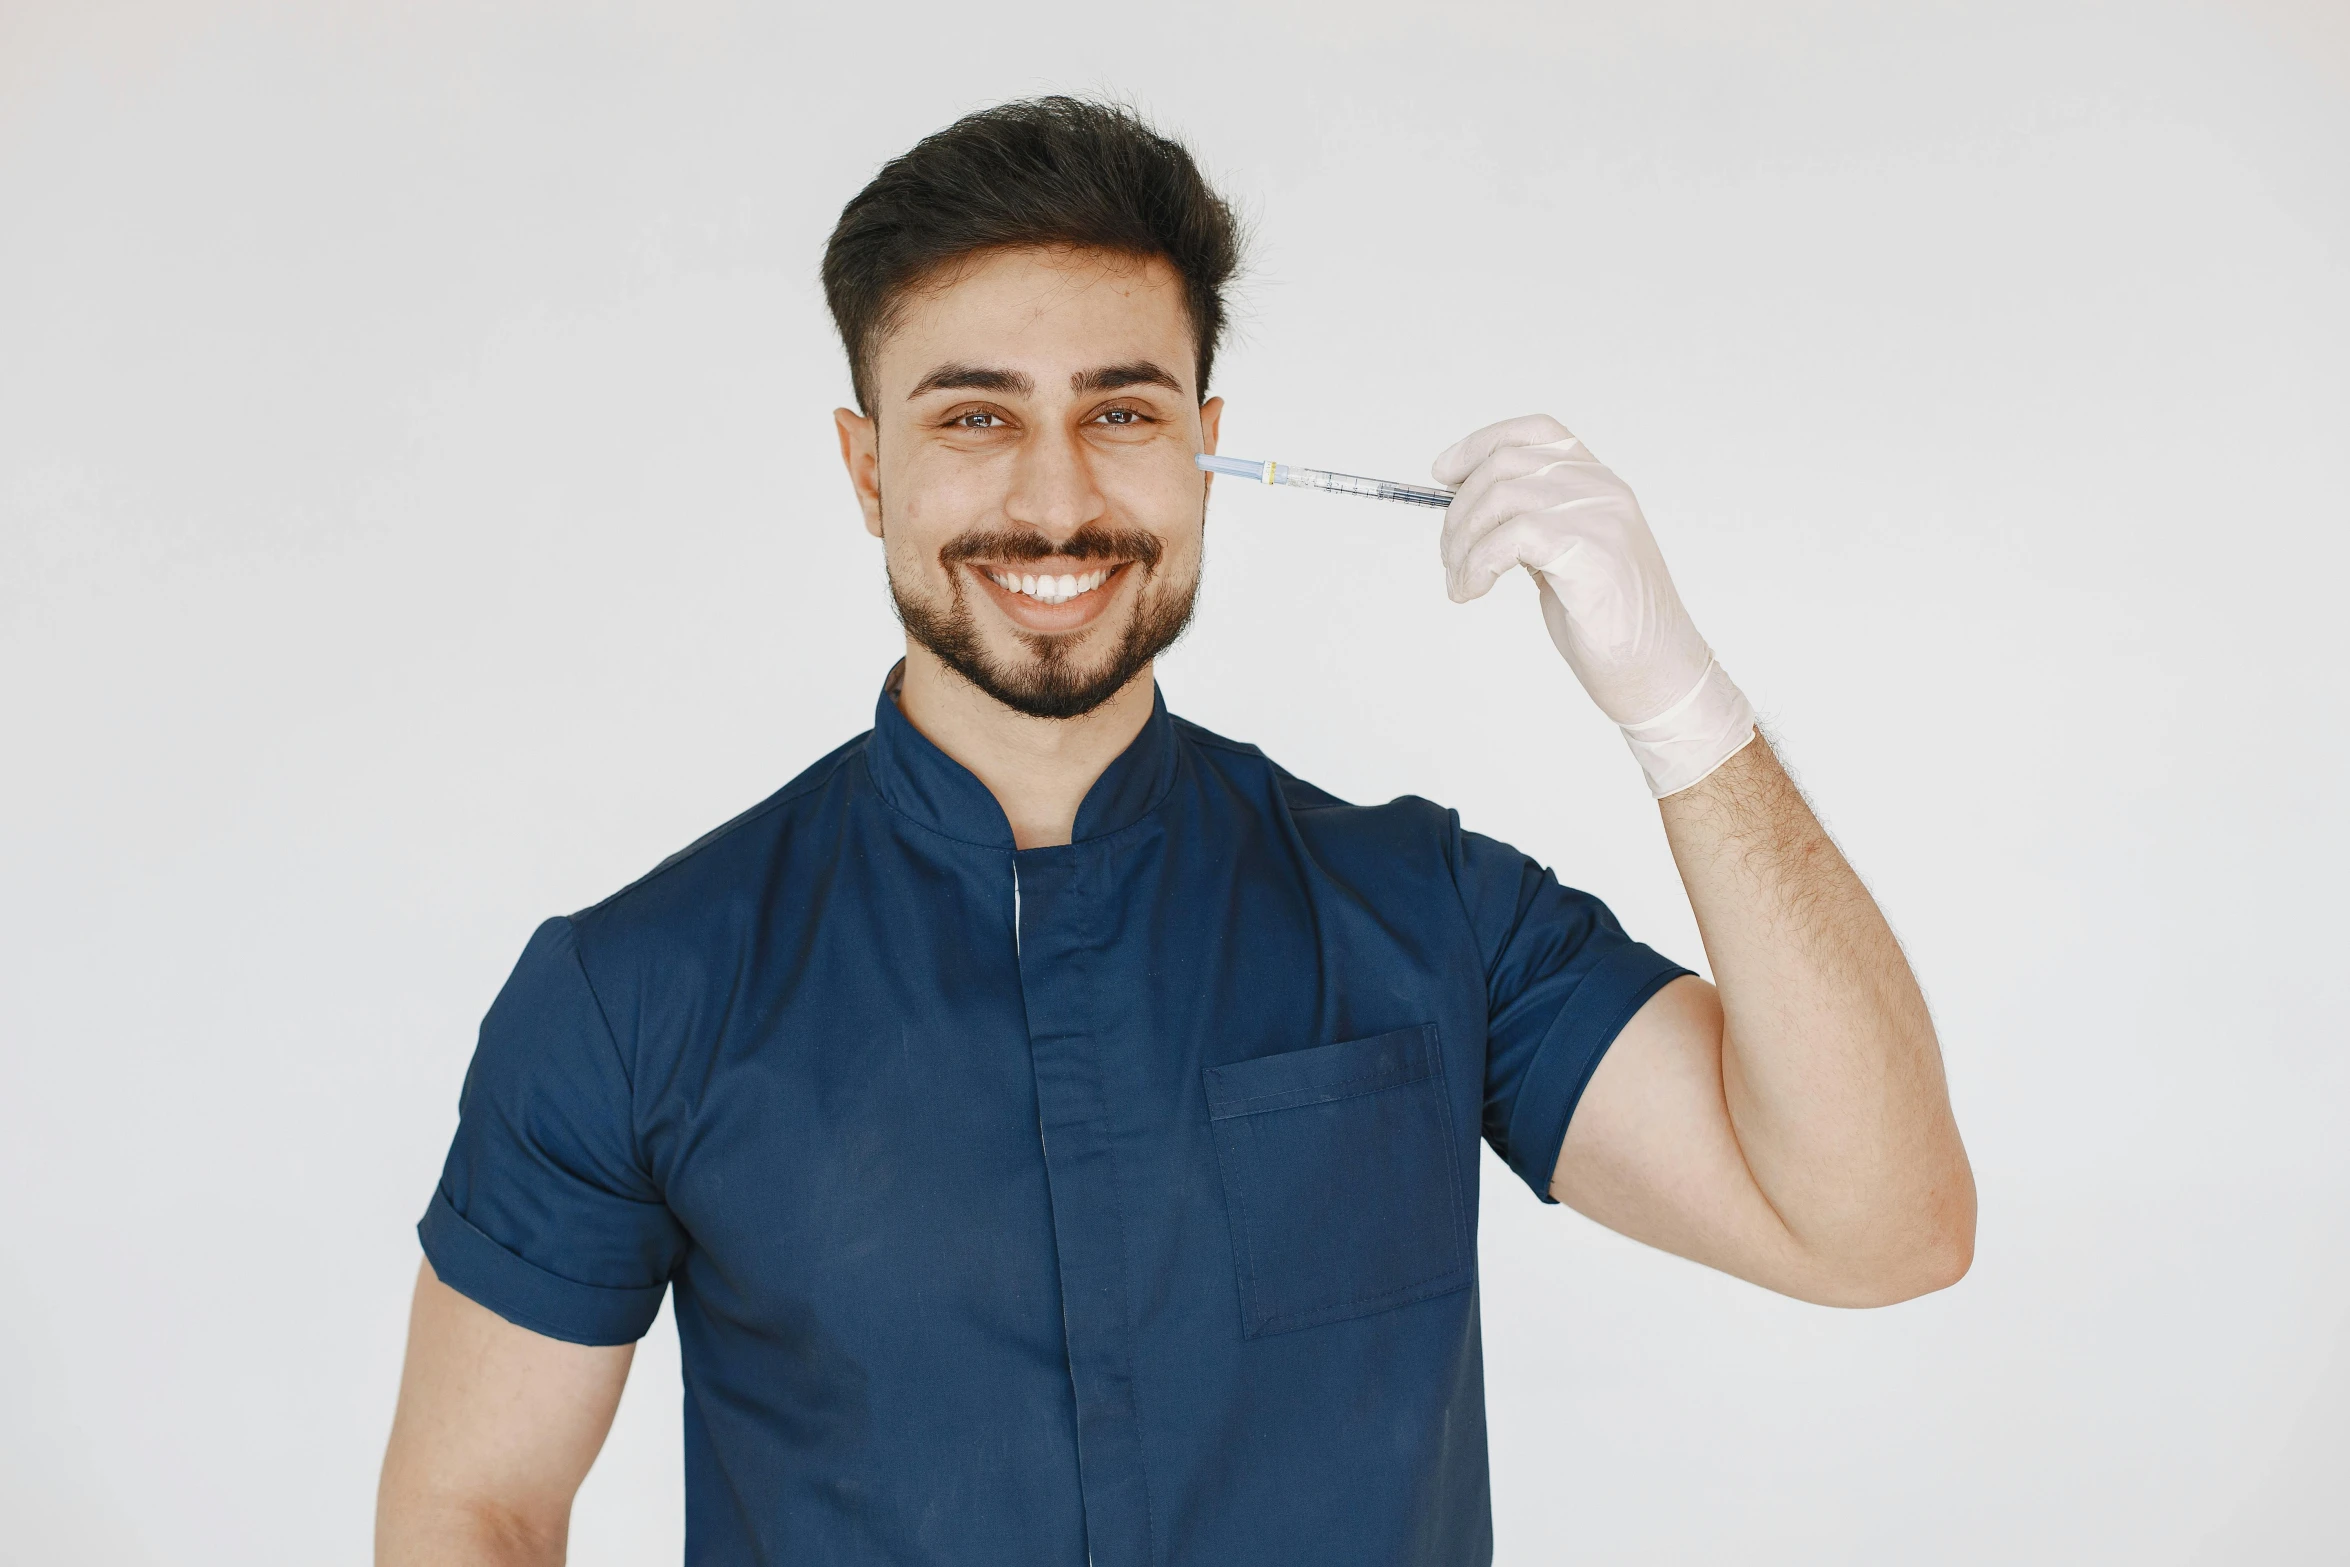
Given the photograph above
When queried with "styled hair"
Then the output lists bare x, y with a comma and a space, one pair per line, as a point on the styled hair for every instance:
1034, 172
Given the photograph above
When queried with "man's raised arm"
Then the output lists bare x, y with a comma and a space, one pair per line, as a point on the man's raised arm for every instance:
1793, 1128
496, 1428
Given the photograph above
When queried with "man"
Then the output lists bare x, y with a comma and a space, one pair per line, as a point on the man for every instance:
1058, 1124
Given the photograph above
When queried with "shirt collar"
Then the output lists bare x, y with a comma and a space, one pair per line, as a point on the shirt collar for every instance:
942, 794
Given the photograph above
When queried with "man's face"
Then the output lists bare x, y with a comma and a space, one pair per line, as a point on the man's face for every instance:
1027, 467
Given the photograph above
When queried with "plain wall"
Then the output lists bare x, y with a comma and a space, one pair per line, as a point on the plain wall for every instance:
419, 514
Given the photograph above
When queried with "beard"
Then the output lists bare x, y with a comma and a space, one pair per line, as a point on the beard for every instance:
1050, 682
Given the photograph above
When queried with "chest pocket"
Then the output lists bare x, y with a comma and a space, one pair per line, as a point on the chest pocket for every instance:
1341, 1178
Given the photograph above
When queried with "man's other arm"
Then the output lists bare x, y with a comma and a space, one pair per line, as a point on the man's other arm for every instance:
1794, 1129
495, 1429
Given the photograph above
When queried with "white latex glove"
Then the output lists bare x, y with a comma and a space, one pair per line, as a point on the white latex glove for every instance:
1532, 495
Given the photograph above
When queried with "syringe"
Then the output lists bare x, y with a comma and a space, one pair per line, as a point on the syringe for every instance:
1319, 479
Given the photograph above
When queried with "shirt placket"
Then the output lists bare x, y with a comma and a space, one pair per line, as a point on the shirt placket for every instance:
1061, 968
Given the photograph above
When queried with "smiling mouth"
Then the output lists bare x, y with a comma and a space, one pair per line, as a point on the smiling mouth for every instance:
1047, 588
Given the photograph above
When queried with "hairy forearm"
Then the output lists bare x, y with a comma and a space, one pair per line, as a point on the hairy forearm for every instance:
1830, 1070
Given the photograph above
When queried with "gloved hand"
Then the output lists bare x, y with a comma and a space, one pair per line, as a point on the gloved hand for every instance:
1532, 495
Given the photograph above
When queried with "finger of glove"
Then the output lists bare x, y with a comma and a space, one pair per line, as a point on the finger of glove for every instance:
1537, 538
1524, 511
1454, 464
1495, 493
1574, 474
1487, 501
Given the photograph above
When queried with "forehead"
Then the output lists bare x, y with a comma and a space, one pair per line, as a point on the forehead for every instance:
1044, 311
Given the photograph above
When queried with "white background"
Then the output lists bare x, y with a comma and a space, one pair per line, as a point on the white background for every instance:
419, 514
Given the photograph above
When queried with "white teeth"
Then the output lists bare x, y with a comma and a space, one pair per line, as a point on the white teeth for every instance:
1050, 589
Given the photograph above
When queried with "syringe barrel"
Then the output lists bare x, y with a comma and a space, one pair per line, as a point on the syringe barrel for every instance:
1356, 484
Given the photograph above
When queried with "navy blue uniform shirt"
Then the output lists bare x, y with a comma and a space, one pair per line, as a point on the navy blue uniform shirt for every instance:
1115, 1200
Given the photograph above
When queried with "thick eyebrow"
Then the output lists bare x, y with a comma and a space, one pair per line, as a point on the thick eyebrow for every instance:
972, 378
983, 378
1109, 378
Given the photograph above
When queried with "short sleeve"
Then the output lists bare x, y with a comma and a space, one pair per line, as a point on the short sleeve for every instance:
1561, 981
545, 1213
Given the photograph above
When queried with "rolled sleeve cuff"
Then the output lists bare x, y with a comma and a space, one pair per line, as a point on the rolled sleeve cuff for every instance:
1600, 1007
526, 1295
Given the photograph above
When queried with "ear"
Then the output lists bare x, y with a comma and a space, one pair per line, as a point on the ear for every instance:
860, 453
1211, 417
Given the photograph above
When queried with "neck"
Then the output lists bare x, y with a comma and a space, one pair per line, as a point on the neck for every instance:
1038, 769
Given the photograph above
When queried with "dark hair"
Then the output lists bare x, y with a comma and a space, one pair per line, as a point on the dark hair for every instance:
1035, 172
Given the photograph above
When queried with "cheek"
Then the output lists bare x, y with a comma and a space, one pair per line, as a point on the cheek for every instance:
932, 501
1167, 500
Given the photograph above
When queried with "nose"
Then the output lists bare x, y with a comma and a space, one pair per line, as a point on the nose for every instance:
1052, 486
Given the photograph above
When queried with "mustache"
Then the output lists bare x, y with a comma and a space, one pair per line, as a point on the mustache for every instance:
1087, 543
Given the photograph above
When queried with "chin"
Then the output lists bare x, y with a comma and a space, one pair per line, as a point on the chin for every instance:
1050, 675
